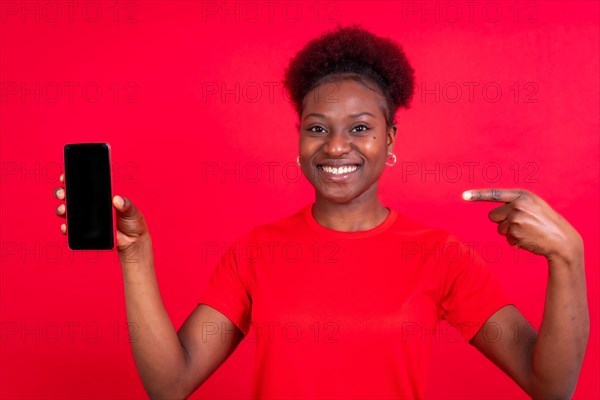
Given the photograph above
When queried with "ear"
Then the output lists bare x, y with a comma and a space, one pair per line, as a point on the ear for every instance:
391, 137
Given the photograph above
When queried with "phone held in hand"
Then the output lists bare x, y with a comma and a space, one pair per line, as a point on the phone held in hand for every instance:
88, 193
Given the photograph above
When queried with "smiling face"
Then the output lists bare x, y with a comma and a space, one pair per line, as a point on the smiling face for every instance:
344, 141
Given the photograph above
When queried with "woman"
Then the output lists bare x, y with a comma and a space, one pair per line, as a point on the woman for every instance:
347, 313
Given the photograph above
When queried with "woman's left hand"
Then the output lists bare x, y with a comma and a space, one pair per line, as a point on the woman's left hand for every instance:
530, 223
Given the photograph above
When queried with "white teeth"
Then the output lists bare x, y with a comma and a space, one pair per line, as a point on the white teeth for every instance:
339, 170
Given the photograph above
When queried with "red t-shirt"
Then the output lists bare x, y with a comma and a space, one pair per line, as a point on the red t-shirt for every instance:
349, 314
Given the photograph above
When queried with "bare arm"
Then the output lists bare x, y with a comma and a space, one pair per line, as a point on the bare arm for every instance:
544, 364
171, 365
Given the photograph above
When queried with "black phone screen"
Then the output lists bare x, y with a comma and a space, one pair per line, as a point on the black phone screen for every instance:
88, 196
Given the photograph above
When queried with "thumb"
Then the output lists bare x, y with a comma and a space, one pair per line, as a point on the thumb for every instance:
124, 206
118, 202
130, 220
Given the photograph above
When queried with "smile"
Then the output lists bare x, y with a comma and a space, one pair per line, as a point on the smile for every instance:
341, 170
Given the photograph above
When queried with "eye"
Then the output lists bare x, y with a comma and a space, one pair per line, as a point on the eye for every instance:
316, 129
360, 128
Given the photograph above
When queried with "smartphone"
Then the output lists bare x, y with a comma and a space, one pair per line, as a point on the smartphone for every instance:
89, 196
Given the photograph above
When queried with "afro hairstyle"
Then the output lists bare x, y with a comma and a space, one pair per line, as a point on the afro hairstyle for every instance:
352, 53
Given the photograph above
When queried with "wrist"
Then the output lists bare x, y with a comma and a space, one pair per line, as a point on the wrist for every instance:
137, 252
571, 256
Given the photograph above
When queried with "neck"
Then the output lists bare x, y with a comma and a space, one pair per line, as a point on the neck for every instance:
349, 217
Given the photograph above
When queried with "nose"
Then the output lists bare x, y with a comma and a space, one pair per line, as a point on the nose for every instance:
337, 144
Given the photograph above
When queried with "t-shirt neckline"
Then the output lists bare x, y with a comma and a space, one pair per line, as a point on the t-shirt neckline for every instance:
315, 226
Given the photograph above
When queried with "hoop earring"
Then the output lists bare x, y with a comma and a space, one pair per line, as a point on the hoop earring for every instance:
298, 160
393, 162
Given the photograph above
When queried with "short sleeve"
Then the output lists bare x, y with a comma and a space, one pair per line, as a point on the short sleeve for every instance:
471, 293
227, 289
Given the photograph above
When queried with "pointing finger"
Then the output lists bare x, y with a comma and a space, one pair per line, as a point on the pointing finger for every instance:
495, 195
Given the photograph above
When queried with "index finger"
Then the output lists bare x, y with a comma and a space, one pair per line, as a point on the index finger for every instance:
496, 195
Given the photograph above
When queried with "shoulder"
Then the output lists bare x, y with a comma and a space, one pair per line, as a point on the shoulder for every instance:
430, 242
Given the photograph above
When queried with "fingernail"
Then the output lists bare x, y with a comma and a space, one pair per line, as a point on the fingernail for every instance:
467, 195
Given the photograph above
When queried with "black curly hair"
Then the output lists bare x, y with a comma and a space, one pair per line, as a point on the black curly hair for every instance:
352, 53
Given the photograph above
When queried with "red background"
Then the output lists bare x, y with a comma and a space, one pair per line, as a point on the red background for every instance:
530, 121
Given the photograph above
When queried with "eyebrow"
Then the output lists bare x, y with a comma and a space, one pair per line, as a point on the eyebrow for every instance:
349, 116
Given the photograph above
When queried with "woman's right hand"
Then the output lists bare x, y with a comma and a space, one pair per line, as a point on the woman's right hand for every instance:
131, 225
